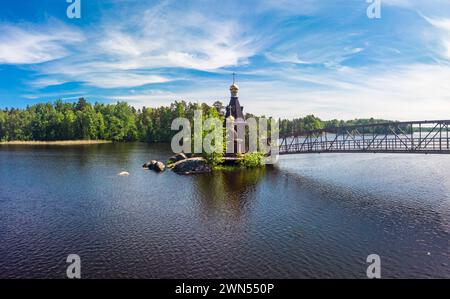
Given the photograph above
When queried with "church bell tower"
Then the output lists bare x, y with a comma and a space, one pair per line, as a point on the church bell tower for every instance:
234, 108
235, 114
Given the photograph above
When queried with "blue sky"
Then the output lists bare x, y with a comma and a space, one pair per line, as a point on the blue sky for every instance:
292, 58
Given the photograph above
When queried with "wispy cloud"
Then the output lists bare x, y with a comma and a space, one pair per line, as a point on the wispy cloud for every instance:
44, 82
29, 44
115, 80
402, 93
160, 38
443, 25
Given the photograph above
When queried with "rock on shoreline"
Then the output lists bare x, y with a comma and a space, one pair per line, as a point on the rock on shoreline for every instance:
155, 165
191, 166
177, 157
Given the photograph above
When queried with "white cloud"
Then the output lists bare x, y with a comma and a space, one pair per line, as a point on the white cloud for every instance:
443, 25
123, 80
117, 43
149, 39
405, 93
27, 44
50, 96
286, 58
45, 81
184, 39
401, 93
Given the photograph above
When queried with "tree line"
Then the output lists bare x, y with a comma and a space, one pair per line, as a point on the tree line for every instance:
85, 121
310, 122
121, 122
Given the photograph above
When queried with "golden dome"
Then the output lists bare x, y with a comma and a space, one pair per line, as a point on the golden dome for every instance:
234, 89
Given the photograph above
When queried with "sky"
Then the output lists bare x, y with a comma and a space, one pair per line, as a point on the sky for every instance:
292, 57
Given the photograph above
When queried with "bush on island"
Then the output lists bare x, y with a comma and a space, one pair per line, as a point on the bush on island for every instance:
252, 160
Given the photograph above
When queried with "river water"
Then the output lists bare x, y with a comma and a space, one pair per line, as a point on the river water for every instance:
310, 216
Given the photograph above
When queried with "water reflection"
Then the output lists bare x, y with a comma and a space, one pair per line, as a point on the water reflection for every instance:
228, 192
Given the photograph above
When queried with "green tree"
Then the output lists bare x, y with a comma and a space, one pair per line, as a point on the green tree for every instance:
214, 158
3, 122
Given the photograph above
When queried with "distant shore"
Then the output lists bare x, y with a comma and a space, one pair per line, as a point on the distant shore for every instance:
60, 142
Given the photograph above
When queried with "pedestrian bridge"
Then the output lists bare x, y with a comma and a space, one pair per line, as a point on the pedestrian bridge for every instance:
425, 137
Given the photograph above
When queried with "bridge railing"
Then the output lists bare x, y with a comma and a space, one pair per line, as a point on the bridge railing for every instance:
398, 137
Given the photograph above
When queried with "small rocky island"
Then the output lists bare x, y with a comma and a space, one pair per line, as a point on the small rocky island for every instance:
188, 164
181, 164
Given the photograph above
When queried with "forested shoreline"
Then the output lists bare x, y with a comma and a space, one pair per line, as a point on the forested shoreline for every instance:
122, 122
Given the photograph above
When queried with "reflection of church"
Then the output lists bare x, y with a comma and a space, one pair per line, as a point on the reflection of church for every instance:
235, 114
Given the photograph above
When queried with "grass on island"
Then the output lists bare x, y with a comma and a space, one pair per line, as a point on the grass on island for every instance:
60, 142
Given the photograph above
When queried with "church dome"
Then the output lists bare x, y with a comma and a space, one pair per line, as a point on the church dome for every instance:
234, 89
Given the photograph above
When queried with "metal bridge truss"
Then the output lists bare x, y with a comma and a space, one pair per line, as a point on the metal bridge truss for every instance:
428, 137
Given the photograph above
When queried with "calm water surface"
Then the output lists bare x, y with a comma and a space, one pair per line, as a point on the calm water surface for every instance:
309, 216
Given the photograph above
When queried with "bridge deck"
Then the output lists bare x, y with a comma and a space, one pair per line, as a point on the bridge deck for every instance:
424, 137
